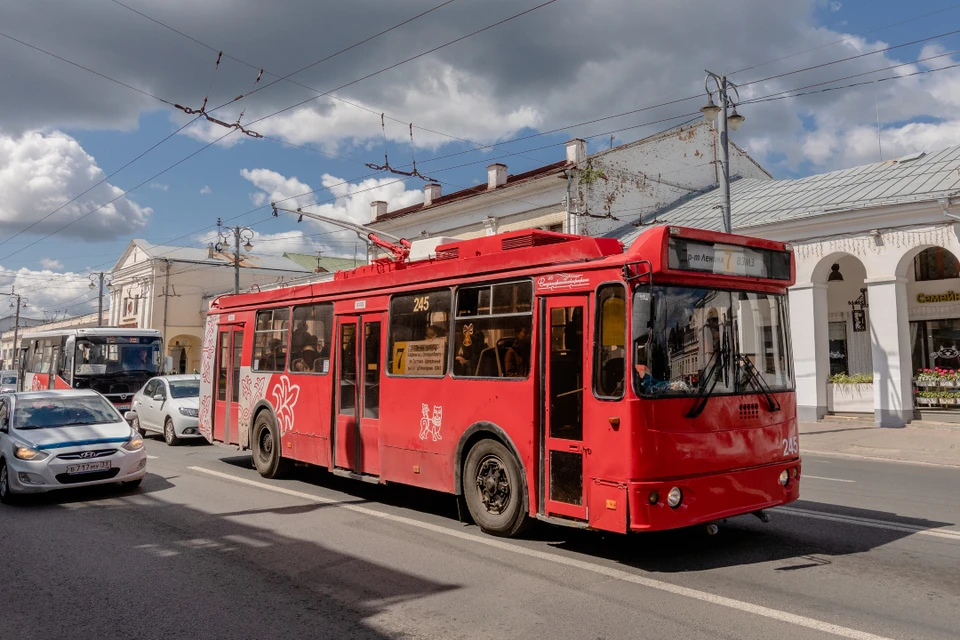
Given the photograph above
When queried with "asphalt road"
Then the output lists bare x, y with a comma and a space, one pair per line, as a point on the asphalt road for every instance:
208, 549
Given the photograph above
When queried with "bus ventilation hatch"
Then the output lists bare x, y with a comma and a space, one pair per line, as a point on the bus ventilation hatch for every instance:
533, 239
448, 254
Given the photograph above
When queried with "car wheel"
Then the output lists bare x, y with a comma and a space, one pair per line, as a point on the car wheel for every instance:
170, 434
131, 484
135, 423
6, 496
267, 456
494, 490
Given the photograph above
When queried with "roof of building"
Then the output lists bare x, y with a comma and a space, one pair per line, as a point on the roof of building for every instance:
309, 261
193, 254
914, 178
512, 180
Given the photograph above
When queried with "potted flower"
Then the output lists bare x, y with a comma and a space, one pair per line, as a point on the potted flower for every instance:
948, 378
927, 378
926, 398
850, 393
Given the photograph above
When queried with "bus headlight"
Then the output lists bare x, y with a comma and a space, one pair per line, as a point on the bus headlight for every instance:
674, 497
784, 477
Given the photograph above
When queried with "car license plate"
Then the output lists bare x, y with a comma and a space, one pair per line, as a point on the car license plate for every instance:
87, 467
122, 407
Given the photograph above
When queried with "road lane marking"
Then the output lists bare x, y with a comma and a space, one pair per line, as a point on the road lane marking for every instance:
152, 457
855, 456
610, 572
830, 479
869, 522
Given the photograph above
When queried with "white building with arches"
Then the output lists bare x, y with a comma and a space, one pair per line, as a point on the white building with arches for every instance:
878, 281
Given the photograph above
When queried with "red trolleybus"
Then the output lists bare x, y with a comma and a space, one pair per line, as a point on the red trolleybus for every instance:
534, 374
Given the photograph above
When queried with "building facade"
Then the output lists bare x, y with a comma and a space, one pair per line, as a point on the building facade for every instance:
878, 281
603, 189
166, 288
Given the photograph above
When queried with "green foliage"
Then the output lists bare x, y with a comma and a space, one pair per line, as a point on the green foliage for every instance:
859, 378
591, 175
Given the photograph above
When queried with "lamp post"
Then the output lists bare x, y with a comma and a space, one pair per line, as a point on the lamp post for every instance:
21, 302
239, 233
728, 96
97, 280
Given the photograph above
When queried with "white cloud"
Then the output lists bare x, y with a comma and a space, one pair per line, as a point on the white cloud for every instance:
39, 172
206, 190
50, 263
836, 6
49, 291
159, 186
275, 187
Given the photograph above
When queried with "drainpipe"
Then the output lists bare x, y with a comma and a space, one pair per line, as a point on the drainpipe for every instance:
570, 223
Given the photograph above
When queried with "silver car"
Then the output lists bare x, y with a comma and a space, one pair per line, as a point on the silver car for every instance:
168, 405
8, 381
57, 439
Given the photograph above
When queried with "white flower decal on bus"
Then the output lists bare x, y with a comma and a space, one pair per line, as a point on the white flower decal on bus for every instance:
430, 425
36, 384
285, 396
205, 417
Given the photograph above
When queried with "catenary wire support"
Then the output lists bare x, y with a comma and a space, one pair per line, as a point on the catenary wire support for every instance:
386, 160
202, 111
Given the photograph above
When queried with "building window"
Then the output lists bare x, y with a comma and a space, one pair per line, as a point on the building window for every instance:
837, 332
270, 340
935, 344
493, 330
418, 333
935, 263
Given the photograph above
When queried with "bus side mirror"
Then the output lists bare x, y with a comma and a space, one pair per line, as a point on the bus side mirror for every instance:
168, 363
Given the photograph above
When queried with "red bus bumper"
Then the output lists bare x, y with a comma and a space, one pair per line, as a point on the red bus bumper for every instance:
712, 497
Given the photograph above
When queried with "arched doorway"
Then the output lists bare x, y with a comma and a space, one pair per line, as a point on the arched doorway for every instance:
184, 349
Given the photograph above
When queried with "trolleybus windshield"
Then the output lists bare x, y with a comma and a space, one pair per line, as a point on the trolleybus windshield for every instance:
691, 341
117, 356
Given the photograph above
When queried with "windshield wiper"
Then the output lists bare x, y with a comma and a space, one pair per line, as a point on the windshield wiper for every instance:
752, 375
710, 380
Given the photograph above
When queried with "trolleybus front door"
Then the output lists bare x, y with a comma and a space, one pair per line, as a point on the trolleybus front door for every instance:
357, 446
227, 386
562, 343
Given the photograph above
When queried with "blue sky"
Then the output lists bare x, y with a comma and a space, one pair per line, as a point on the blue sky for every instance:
562, 64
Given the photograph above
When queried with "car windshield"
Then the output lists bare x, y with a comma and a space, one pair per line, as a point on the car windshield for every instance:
690, 341
8, 380
54, 412
185, 388
105, 355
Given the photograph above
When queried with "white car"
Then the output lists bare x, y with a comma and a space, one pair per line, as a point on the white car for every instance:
57, 439
168, 405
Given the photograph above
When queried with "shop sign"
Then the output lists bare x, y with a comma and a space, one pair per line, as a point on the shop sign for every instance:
949, 296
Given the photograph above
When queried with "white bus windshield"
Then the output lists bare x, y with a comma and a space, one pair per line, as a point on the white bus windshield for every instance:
111, 355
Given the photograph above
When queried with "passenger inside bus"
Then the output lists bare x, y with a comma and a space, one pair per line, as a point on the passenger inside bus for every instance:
472, 344
517, 357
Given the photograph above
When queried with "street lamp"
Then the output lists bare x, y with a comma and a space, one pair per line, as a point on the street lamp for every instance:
17, 302
238, 234
728, 97
98, 281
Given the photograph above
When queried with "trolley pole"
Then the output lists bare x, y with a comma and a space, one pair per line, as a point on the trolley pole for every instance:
20, 302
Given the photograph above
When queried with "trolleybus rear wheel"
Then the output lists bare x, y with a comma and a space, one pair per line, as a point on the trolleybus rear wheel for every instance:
266, 447
493, 489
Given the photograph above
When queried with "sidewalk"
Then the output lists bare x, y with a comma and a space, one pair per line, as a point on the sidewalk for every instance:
920, 442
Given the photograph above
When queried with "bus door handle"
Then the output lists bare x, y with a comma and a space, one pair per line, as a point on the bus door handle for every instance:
579, 448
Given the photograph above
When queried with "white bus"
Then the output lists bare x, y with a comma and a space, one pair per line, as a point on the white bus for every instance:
115, 362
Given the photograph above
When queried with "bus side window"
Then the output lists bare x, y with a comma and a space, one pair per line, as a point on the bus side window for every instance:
270, 340
610, 341
418, 333
493, 330
311, 338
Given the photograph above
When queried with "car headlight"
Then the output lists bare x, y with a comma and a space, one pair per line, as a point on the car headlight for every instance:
135, 443
190, 413
28, 453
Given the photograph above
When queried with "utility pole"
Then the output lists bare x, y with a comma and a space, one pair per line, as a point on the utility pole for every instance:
21, 302
97, 280
239, 233
725, 91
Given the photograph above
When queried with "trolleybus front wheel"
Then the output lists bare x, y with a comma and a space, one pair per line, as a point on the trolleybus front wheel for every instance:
493, 489
266, 447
